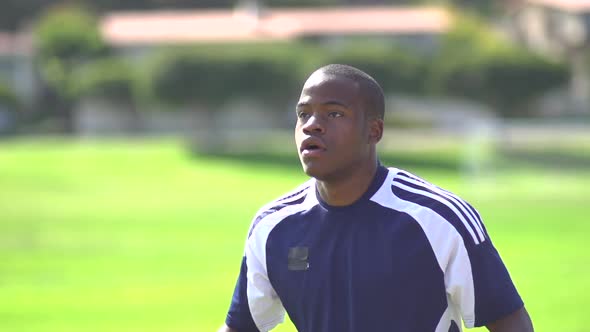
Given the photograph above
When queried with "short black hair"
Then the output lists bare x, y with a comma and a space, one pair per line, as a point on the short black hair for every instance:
371, 91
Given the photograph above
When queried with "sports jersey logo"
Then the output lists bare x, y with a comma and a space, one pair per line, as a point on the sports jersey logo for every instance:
297, 259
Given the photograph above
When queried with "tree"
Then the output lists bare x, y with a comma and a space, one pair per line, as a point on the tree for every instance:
110, 78
476, 63
112, 82
66, 37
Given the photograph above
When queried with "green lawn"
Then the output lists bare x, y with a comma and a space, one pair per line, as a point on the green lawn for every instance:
141, 236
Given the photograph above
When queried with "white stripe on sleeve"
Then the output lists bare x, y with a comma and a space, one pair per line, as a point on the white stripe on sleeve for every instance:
447, 245
265, 306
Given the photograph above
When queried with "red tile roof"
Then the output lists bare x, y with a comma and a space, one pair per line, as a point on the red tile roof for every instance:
272, 24
567, 5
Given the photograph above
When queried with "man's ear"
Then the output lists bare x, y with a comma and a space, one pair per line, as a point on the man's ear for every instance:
375, 130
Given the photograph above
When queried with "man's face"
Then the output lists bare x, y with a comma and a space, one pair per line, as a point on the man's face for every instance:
331, 132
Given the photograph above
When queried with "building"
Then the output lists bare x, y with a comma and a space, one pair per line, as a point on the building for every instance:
560, 29
16, 65
553, 27
136, 32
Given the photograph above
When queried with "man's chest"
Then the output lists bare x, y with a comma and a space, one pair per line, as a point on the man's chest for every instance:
329, 263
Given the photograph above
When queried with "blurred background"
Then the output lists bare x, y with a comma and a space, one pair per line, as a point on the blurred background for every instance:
138, 138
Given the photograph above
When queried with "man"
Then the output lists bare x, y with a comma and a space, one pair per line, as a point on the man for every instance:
361, 247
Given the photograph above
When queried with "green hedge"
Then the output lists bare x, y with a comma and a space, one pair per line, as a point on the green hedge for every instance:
8, 97
212, 75
476, 63
503, 77
472, 61
396, 70
506, 81
110, 78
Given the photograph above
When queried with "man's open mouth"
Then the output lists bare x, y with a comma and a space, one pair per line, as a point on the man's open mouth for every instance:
312, 147
312, 144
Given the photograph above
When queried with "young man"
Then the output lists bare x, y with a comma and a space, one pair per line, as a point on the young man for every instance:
361, 247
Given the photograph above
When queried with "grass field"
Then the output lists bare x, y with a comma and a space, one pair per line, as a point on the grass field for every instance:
141, 236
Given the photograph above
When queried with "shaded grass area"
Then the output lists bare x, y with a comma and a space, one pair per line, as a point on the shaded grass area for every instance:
144, 236
449, 156
440, 161
556, 158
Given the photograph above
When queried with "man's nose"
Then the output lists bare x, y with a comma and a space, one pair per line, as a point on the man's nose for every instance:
313, 125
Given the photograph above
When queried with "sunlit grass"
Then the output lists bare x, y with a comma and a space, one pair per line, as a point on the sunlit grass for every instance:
142, 236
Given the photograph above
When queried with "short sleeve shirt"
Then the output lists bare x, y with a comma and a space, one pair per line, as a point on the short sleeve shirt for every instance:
407, 256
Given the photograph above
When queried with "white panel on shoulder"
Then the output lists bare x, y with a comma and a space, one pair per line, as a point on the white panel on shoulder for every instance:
294, 194
265, 306
447, 245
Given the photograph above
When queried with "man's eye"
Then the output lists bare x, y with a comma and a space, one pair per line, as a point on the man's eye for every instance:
302, 115
335, 114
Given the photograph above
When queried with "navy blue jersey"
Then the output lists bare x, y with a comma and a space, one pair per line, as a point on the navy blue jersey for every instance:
407, 256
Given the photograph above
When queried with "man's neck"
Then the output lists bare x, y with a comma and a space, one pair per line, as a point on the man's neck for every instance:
348, 190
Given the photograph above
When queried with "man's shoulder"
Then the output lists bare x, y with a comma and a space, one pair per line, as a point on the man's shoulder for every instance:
400, 179
294, 199
430, 204
291, 197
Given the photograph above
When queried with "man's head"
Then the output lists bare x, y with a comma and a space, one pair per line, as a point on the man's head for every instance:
371, 92
339, 122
